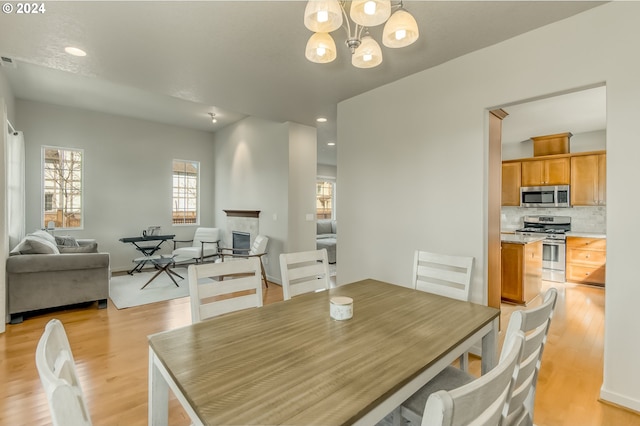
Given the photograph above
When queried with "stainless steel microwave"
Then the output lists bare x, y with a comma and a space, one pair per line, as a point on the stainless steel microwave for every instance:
545, 196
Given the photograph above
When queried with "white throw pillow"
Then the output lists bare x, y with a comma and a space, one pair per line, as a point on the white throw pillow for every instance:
41, 246
45, 236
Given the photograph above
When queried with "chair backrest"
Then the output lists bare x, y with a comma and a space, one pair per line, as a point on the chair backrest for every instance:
220, 288
304, 272
206, 234
535, 324
484, 401
57, 371
442, 274
259, 245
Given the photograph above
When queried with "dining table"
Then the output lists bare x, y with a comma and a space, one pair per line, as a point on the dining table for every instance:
290, 363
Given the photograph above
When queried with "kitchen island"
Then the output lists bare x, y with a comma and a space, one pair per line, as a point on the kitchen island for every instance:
521, 268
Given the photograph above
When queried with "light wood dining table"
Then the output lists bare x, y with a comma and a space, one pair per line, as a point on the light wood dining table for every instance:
290, 363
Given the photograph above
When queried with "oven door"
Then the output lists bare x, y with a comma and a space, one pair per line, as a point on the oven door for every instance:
553, 260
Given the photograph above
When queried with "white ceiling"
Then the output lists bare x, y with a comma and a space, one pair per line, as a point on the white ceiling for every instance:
176, 61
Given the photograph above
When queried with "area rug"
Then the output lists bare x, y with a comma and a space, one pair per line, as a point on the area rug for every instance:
124, 290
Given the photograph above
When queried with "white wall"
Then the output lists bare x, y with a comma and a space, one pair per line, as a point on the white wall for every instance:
415, 176
127, 172
580, 142
325, 170
302, 184
254, 172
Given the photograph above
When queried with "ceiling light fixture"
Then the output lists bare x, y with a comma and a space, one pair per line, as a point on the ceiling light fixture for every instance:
75, 51
321, 119
331, 143
325, 16
213, 117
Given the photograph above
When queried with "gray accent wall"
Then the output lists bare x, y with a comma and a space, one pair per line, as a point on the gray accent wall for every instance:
127, 173
415, 175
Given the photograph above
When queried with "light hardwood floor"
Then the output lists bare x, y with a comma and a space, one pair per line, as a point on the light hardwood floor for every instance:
110, 348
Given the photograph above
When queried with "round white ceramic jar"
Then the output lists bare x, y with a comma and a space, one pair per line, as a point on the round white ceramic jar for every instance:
341, 308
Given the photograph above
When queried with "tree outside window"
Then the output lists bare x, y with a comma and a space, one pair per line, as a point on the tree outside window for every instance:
186, 176
325, 199
62, 187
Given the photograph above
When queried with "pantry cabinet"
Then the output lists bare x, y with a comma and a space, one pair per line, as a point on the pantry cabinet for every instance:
511, 178
552, 171
588, 180
586, 260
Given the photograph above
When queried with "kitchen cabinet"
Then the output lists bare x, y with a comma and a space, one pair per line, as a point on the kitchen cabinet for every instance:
588, 180
511, 177
586, 260
521, 271
551, 171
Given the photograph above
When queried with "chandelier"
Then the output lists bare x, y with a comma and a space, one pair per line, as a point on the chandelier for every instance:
325, 16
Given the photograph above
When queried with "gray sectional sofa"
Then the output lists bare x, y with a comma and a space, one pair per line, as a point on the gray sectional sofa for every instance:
326, 237
73, 274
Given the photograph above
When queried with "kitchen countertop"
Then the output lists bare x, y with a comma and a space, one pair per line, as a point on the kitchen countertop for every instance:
519, 239
586, 234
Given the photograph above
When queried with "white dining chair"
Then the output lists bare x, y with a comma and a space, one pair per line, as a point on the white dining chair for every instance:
258, 249
304, 272
57, 371
444, 275
534, 324
482, 402
220, 288
203, 245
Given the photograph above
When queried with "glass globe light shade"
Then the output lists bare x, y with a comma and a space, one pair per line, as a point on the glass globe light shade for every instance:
368, 54
370, 13
323, 16
320, 48
400, 30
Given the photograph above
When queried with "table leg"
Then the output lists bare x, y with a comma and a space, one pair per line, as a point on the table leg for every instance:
158, 394
490, 348
154, 277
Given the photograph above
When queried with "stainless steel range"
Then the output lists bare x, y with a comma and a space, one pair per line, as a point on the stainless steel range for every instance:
553, 229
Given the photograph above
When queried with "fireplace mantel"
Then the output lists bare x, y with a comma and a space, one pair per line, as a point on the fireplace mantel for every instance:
242, 213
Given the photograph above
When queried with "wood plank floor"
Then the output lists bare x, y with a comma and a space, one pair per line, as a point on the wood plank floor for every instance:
110, 348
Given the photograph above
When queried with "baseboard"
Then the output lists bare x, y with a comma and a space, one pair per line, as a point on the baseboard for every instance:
618, 400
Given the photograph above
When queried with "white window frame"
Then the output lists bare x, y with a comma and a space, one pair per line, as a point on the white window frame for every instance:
43, 213
331, 180
173, 195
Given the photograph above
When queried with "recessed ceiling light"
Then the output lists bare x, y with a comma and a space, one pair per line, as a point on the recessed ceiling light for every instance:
321, 119
75, 51
331, 143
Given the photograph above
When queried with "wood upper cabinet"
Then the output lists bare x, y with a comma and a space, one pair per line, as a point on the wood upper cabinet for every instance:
511, 177
553, 171
588, 180
586, 260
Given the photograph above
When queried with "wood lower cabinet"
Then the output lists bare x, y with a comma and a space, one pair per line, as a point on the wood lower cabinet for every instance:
521, 271
511, 176
586, 260
552, 171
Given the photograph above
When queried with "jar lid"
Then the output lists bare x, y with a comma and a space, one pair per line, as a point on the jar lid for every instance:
341, 300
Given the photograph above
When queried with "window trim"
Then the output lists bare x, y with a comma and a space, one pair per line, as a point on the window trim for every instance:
43, 149
197, 221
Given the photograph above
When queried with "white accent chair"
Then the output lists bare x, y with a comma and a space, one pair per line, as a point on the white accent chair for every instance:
534, 324
220, 288
204, 245
257, 249
57, 371
444, 275
304, 272
483, 401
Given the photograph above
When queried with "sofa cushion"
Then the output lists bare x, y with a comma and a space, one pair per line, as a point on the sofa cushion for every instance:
44, 235
88, 248
33, 244
66, 241
323, 226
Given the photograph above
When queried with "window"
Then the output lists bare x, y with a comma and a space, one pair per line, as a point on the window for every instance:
325, 201
62, 187
186, 187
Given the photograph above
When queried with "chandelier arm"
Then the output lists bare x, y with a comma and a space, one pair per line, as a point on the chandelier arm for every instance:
346, 25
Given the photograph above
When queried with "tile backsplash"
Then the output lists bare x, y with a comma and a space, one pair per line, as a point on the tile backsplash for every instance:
583, 219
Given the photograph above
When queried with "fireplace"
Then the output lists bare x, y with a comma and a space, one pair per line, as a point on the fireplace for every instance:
241, 240
244, 222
